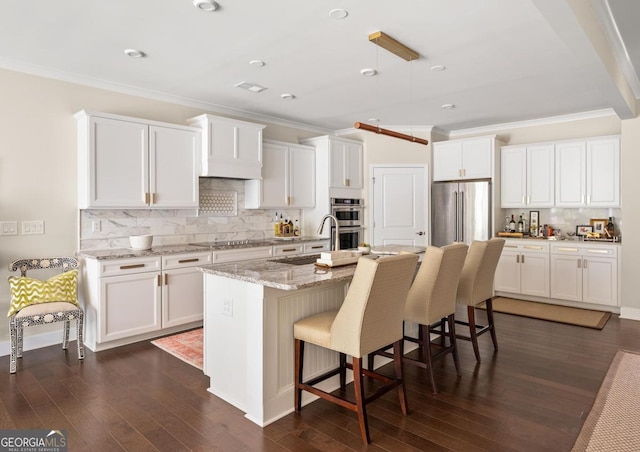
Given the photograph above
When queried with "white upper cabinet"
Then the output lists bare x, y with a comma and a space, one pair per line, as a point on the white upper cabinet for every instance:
588, 173
345, 164
463, 159
288, 177
134, 163
230, 148
527, 176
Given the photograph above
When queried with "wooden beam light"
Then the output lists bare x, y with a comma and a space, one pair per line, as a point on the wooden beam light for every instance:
393, 46
391, 133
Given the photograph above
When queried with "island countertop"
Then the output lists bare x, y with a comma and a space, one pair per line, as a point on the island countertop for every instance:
277, 275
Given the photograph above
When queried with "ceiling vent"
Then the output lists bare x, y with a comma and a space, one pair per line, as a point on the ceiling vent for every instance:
253, 87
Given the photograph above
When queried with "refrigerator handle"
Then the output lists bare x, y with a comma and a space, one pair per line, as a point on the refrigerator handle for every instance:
462, 220
457, 229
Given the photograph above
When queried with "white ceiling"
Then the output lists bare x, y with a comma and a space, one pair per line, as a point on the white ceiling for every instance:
506, 60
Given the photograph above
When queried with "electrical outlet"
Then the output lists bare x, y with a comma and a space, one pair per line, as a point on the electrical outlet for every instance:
227, 306
96, 226
8, 228
32, 227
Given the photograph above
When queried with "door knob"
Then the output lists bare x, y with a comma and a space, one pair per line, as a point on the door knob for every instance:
420, 233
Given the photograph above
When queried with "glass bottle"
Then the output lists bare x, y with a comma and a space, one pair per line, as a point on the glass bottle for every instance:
507, 222
520, 225
512, 224
610, 228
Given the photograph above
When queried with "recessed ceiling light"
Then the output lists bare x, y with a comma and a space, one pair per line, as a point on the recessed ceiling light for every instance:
338, 13
287, 96
253, 87
368, 72
257, 63
135, 53
448, 106
205, 5
438, 68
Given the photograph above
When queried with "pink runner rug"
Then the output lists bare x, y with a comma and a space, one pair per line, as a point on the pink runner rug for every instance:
185, 346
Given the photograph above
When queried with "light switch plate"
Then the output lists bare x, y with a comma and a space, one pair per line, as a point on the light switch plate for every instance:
8, 228
32, 227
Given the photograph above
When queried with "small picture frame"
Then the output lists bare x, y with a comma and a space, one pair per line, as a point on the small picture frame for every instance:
599, 224
534, 220
583, 229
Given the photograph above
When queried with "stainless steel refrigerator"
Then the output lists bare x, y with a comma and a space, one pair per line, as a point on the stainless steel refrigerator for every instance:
460, 212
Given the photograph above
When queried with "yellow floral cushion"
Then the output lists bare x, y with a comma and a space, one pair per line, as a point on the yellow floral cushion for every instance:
28, 291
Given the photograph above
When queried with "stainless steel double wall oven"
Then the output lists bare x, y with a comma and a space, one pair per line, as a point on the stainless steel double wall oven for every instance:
350, 215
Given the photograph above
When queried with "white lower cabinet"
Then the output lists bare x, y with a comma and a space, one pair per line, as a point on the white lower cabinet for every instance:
587, 274
133, 299
523, 269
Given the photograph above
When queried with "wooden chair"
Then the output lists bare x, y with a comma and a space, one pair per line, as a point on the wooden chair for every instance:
370, 317
41, 313
431, 303
476, 286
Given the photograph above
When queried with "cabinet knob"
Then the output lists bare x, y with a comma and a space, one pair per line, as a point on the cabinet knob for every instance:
420, 233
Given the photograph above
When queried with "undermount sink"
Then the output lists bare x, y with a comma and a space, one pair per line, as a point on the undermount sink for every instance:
297, 260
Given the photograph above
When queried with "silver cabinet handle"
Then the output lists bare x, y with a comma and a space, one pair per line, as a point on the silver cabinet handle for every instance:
127, 267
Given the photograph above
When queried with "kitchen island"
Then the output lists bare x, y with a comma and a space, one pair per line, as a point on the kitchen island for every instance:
249, 311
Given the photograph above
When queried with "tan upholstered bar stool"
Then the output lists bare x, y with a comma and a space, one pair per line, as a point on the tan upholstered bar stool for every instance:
476, 286
431, 303
370, 318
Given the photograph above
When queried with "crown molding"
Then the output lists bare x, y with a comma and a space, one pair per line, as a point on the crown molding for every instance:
534, 122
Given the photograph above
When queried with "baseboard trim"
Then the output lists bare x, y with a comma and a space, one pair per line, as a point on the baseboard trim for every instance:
629, 313
40, 340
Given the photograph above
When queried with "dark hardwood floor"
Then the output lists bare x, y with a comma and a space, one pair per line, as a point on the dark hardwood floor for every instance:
532, 395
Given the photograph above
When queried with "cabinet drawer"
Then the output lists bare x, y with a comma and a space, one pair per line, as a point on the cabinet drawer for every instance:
241, 254
582, 250
186, 260
527, 247
316, 247
286, 250
118, 267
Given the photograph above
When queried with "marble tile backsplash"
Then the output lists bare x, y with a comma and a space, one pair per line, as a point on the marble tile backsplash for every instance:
111, 228
566, 219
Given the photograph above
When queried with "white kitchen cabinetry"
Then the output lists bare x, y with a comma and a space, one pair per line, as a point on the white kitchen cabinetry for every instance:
230, 148
464, 159
242, 254
135, 163
523, 268
527, 176
288, 177
316, 247
182, 288
588, 172
133, 299
339, 165
585, 273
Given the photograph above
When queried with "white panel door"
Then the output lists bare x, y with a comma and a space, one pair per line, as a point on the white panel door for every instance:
476, 158
447, 160
513, 176
600, 280
119, 163
603, 172
570, 174
173, 167
302, 177
399, 206
182, 296
275, 166
534, 274
540, 176
507, 277
566, 277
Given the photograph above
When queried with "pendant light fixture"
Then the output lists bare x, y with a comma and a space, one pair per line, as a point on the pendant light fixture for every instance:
397, 48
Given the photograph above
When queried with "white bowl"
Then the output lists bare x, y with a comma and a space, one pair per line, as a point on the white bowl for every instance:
364, 249
140, 242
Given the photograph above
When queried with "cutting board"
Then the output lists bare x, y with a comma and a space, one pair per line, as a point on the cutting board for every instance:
397, 249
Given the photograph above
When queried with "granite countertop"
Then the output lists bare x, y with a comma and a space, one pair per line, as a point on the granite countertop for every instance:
125, 253
278, 275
